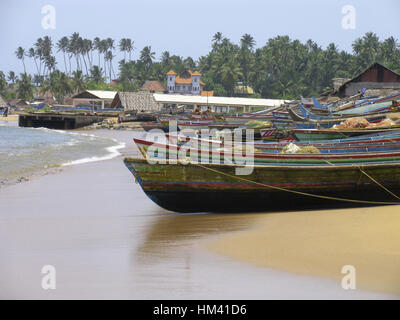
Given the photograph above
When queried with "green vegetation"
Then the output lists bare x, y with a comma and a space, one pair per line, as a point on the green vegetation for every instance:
282, 68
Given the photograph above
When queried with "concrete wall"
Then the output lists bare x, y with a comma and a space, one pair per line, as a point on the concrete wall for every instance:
354, 88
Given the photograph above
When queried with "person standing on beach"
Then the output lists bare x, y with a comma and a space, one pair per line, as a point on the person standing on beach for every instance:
5, 114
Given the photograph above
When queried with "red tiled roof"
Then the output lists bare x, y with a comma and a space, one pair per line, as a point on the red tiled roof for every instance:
180, 80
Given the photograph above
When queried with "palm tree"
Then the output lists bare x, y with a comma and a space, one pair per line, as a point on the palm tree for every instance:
129, 47
166, 58
38, 80
50, 62
20, 53
62, 46
230, 73
83, 50
110, 44
78, 83
123, 47
32, 54
388, 50
109, 57
247, 42
189, 63
25, 87
3, 83
59, 84
88, 45
104, 49
12, 77
47, 46
147, 56
96, 75
97, 46
366, 50
39, 53
74, 48
217, 38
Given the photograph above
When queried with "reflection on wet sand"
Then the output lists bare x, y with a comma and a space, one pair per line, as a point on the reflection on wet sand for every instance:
172, 256
171, 232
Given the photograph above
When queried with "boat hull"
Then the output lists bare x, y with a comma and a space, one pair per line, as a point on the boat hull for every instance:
215, 188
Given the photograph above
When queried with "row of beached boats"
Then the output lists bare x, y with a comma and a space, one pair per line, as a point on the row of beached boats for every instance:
355, 161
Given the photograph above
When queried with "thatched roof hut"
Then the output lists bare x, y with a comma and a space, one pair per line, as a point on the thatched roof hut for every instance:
153, 87
136, 101
3, 103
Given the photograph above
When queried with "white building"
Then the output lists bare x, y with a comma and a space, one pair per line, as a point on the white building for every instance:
187, 82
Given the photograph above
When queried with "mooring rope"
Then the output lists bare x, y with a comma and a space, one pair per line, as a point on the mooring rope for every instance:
379, 184
303, 193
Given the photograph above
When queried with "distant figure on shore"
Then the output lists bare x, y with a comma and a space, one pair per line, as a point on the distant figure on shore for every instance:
5, 114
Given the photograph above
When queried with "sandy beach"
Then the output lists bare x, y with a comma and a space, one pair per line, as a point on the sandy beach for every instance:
322, 242
10, 118
107, 240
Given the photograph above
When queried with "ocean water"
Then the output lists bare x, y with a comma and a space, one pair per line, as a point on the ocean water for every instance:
26, 150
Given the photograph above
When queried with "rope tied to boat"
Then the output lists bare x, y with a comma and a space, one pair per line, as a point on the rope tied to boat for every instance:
379, 184
304, 193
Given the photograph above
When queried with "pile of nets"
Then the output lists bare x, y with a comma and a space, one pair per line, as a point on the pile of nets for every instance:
292, 148
362, 123
255, 124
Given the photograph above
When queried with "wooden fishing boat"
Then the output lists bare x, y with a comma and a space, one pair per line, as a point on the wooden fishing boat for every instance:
380, 137
362, 111
304, 123
194, 125
240, 119
366, 109
164, 151
306, 115
386, 144
329, 134
281, 115
216, 187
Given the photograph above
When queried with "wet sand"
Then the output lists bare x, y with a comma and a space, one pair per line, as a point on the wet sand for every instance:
9, 121
106, 239
10, 118
322, 242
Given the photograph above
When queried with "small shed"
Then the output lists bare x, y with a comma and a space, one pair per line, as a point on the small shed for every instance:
18, 103
136, 101
377, 78
96, 98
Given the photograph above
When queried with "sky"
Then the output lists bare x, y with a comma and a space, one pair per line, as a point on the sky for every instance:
186, 27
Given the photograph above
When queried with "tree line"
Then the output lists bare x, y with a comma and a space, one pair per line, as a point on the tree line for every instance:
282, 68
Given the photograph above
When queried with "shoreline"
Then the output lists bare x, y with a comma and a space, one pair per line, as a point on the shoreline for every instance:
9, 118
108, 240
113, 151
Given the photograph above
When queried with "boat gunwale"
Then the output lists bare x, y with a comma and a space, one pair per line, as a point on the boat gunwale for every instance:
257, 166
274, 156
